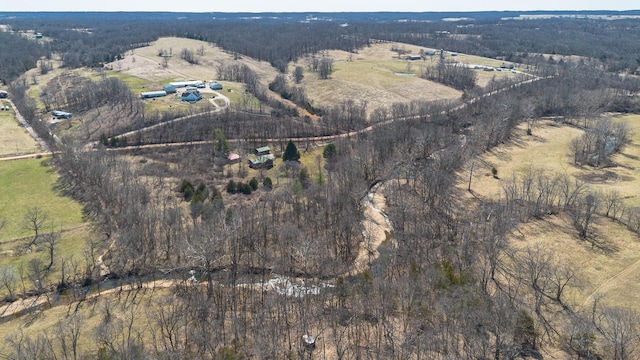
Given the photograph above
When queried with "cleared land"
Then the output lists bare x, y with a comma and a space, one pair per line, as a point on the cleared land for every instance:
145, 63
28, 183
378, 76
14, 140
547, 150
608, 270
374, 75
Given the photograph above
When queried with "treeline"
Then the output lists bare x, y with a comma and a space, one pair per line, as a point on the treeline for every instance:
90, 41
244, 74
517, 41
457, 76
17, 55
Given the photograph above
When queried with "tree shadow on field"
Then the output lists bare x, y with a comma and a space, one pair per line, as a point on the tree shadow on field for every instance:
629, 156
596, 239
62, 187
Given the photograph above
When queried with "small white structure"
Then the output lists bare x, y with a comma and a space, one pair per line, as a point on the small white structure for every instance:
192, 83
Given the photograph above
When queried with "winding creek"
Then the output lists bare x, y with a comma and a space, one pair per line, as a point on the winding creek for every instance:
376, 228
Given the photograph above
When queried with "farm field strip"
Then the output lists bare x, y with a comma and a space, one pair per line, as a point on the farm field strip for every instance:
14, 139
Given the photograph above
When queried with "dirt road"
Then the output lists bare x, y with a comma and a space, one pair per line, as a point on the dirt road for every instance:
613, 281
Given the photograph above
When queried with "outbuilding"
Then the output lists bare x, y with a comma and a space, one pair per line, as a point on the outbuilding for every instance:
152, 94
233, 158
170, 89
193, 83
214, 85
265, 150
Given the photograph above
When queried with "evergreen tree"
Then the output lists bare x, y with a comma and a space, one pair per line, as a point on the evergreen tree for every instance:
220, 143
231, 187
330, 154
254, 184
267, 183
291, 153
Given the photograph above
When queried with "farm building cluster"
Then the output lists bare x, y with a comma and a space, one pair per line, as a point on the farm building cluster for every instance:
190, 94
262, 158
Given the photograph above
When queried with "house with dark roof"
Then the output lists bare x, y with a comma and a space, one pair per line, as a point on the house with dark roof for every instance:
191, 95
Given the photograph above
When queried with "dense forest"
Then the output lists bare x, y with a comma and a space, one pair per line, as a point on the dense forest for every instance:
446, 284
91, 40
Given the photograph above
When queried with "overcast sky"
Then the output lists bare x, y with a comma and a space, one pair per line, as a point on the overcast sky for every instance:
312, 6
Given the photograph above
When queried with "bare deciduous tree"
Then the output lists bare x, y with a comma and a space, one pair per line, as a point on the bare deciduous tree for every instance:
34, 220
9, 280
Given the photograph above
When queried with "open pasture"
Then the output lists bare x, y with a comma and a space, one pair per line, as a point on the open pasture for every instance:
602, 270
14, 140
28, 183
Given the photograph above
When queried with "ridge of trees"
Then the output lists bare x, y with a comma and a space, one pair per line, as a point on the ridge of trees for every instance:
281, 43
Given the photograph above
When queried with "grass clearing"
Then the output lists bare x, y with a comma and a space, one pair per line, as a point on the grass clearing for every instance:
69, 248
28, 183
136, 84
91, 315
550, 144
145, 63
14, 139
611, 268
594, 266
376, 75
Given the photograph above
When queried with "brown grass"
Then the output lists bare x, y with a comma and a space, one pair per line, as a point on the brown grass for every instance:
371, 76
145, 63
14, 140
599, 267
618, 249
548, 150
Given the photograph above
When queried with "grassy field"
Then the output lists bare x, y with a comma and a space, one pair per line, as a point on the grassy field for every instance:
550, 142
145, 63
376, 75
91, 316
611, 269
136, 84
594, 267
14, 139
28, 183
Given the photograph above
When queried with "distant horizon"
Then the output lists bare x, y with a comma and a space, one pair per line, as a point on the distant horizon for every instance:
312, 12
327, 6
